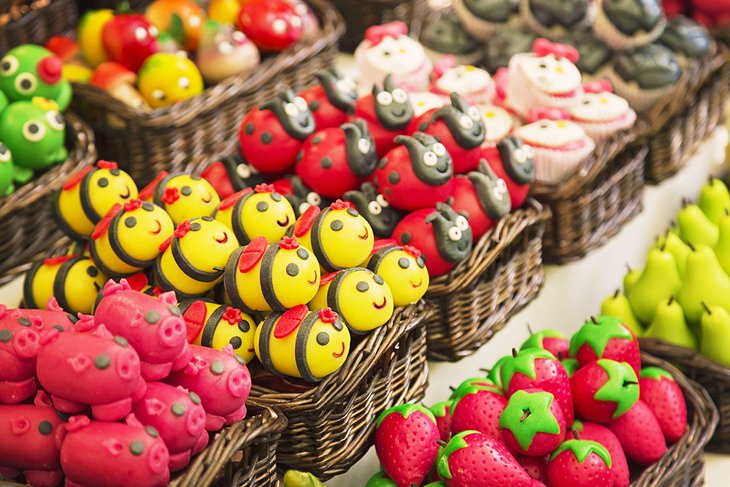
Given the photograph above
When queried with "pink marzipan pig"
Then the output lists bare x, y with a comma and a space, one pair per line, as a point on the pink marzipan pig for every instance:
178, 416
31, 440
100, 454
95, 369
222, 381
52, 317
153, 325
19, 345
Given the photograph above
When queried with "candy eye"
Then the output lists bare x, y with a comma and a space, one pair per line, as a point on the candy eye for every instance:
362, 286
400, 95
158, 95
243, 171
462, 223
345, 85
404, 263
225, 48
374, 208
5, 155
454, 234
466, 122
519, 156
304, 207
130, 222
430, 159
439, 149
499, 190
323, 338
8, 66
337, 225
384, 99
291, 110
55, 120
364, 145
184, 82
92, 271
26, 83
381, 201
141, 34
238, 37
103, 182
33, 131
292, 269
314, 199
528, 151
473, 112
378, 280
301, 104
262, 206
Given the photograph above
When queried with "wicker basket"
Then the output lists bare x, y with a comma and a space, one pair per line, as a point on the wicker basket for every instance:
683, 465
595, 202
27, 227
477, 298
34, 21
330, 426
361, 14
711, 375
680, 123
204, 128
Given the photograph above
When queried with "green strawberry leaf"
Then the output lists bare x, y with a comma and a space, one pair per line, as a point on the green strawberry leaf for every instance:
457, 442
524, 362
621, 387
655, 373
577, 426
535, 340
477, 382
439, 409
404, 410
380, 479
597, 334
570, 365
462, 392
581, 449
527, 414
495, 373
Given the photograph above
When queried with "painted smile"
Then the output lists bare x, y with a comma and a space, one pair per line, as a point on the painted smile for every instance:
381, 305
341, 353
364, 236
417, 284
314, 280
284, 223
97, 287
125, 195
400, 113
159, 228
207, 199
223, 239
250, 350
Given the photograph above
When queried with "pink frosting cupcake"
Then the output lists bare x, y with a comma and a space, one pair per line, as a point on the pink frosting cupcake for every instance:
601, 113
472, 83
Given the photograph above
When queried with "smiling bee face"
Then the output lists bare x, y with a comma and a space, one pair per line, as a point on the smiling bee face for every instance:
104, 187
259, 213
404, 270
184, 197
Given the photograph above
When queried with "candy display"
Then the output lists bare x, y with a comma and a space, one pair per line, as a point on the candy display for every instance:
402, 268
165, 79
601, 113
473, 83
375, 209
628, 24
332, 101
237, 212
223, 52
29, 71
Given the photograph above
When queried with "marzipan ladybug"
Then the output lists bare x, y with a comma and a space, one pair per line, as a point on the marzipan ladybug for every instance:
332, 101
513, 162
373, 207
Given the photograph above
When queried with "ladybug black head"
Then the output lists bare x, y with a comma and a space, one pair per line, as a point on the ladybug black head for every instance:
372, 206
241, 174
392, 105
339, 90
452, 233
491, 191
302, 197
463, 121
431, 161
517, 159
360, 148
292, 112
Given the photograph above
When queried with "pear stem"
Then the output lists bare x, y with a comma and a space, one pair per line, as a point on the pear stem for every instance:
486, 371
441, 442
616, 293
529, 329
560, 356
691, 246
706, 308
452, 388
671, 300
628, 267
514, 352
594, 320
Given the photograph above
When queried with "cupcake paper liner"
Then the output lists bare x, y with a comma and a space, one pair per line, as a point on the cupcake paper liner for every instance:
479, 28
617, 40
554, 165
554, 32
599, 131
639, 99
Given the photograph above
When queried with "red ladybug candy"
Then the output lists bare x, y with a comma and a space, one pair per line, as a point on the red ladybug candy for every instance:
416, 174
334, 161
332, 101
513, 162
272, 134
459, 127
273, 25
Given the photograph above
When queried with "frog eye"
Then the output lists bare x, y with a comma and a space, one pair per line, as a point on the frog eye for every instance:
158, 95
303, 207
314, 199
8, 66
384, 99
364, 145
184, 82
243, 171
381, 201
186, 190
362, 286
400, 95
291, 110
5, 154
262, 206
473, 112
301, 104
336, 225
439, 149
92, 271
103, 182
374, 208
238, 37
462, 223
323, 338
292, 269
34, 131
454, 234
130, 222
153, 31
141, 34
26, 83
430, 159
55, 120
466, 122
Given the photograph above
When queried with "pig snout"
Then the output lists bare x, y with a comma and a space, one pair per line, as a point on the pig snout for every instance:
26, 343
172, 331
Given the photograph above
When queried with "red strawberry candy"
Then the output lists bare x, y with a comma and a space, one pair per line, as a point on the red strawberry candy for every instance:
551, 340
512, 161
332, 101
640, 434
605, 337
536, 467
475, 459
579, 463
571, 365
478, 408
479, 382
539, 369
604, 390
406, 439
532, 423
441, 411
661, 393
600, 434
272, 134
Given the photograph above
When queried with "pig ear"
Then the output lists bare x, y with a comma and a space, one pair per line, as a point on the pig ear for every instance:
228, 349
132, 420
168, 298
84, 323
42, 399
112, 287
49, 336
77, 422
103, 331
52, 304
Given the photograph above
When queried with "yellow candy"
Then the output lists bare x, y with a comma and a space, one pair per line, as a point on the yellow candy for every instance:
89, 33
339, 236
265, 277
182, 196
89, 195
218, 326
258, 212
193, 259
166, 78
128, 238
404, 269
304, 344
74, 282
362, 299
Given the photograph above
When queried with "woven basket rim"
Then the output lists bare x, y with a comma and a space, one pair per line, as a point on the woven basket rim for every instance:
82, 154
702, 422
357, 367
21, 8
488, 248
181, 113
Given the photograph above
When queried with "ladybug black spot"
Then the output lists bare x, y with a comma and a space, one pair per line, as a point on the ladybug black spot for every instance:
422, 126
266, 138
405, 237
249, 128
316, 139
314, 105
393, 177
326, 163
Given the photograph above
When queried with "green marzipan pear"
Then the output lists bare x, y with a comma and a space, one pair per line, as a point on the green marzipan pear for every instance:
618, 305
705, 281
696, 228
722, 249
669, 325
659, 280
714, 200
716, 334
674, 245
632, 275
